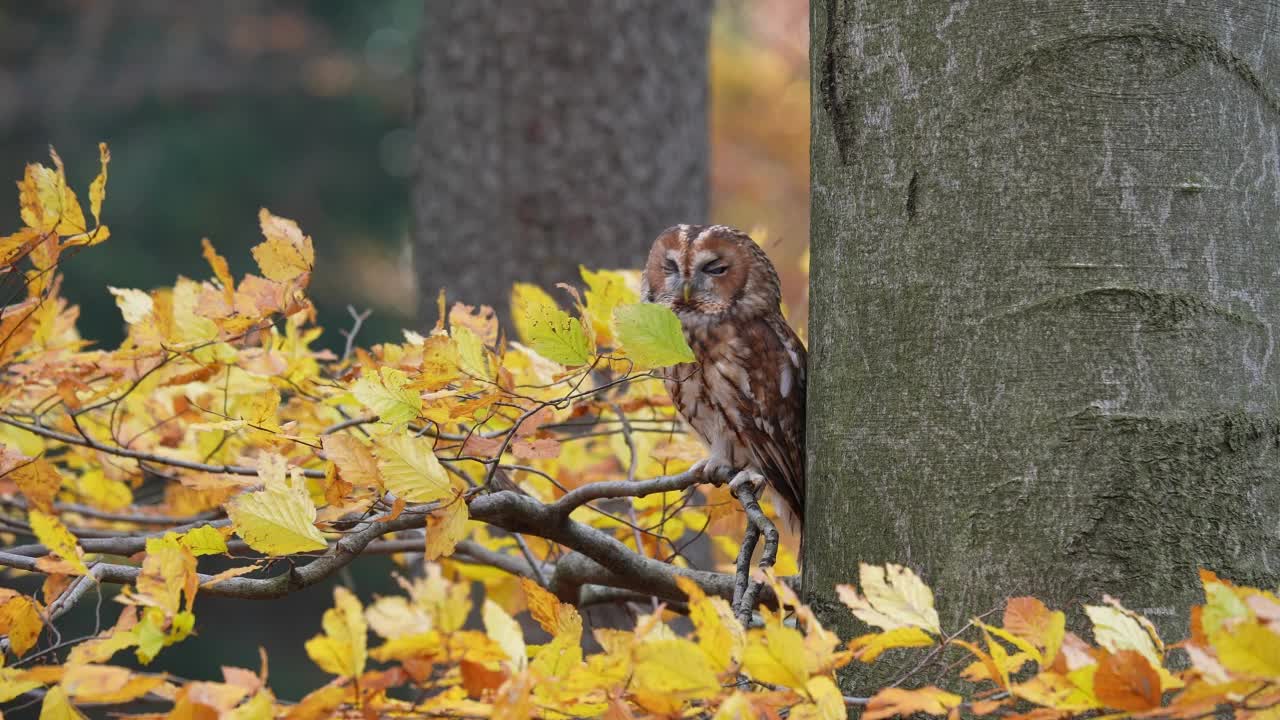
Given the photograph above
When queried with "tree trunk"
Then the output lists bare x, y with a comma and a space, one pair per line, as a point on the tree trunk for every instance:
1044, 299
553, 133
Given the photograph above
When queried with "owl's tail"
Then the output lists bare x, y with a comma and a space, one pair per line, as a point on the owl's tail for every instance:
791, 520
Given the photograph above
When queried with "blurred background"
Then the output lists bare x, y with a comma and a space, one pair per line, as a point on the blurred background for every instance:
307, 107
215, 109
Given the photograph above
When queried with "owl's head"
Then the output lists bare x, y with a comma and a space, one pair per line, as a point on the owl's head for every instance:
709, 270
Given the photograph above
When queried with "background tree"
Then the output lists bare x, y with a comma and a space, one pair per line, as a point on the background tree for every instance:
1044, 299
553, 134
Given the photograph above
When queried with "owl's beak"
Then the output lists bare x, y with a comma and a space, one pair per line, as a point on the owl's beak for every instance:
687, 289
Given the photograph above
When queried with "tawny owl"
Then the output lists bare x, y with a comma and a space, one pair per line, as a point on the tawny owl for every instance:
745, 394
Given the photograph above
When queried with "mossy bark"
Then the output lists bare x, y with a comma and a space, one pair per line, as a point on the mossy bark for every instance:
553, 133
1045, 290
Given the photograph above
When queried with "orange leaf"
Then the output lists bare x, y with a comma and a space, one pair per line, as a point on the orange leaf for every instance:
892, 702
535, 449
554, 616
1125, 680
479, 678
354, 460
220, 270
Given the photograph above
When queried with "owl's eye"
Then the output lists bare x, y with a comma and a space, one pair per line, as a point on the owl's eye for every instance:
715, 267
670, 266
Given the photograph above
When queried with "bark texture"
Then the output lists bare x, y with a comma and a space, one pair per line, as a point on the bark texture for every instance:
553, 133
1045, 287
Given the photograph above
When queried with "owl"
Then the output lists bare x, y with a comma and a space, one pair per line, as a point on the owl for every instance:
745, 393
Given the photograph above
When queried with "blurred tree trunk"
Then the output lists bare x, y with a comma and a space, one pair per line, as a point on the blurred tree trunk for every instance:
1045, 291
553, 133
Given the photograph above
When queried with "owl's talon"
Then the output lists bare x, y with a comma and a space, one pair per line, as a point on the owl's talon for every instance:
713, 470
754, 480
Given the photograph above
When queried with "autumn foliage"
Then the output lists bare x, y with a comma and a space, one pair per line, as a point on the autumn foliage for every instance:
548, 467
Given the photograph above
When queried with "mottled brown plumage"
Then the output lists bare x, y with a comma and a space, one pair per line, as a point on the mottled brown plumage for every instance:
745, 394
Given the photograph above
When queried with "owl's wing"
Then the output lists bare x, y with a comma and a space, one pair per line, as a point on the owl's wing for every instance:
774, 410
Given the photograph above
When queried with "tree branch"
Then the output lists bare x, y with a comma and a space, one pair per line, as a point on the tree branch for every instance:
89, 442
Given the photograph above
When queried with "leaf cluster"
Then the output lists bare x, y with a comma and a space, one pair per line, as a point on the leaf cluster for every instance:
548, 468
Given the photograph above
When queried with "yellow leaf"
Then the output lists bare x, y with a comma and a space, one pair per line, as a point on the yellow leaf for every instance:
448, 603
895, 597
319, 704
196, 699
506, 632
46, 201
259, 707
394, 616
287, 253
981, 669
869, 647
260, 409
107, 683
411, 470
20, 621
826, 702
14, 682
558, 659
526, 298
440, 362
1248, 649
670, 673
54, 535
473, 359
88, 239
341, 649
445, 527
100, 491
1224, 603
98, 188
776, 655
39, 482
354, 460
204, 540
720, 635
135, 305
387, 395
277, 520
15, 246
606, 290
1027, 648
100, 649
892, 702
1072, 693
168, 570
736, 707
57, 707
556, 335
232, 573
514, 699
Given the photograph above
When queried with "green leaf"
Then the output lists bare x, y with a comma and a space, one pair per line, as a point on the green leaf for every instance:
556, 335
387, 395
651, 335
